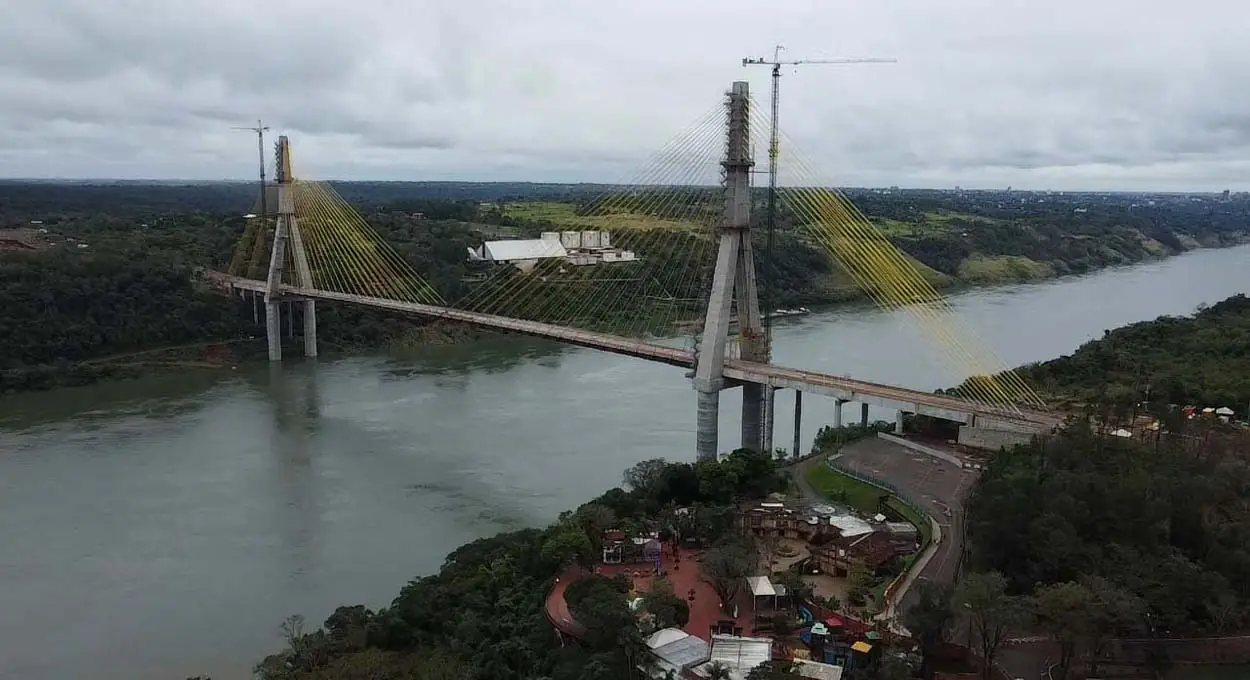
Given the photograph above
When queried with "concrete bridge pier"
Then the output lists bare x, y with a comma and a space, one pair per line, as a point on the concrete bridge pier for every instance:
898, 422
734, 270
798, 423
837, 412
273, 328
707, 422
863, 415
752, 412
310, 328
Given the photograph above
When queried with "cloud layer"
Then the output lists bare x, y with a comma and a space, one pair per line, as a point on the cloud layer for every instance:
1113, 94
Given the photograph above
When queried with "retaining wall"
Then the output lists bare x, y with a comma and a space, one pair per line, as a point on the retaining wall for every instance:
992, 440
921, 448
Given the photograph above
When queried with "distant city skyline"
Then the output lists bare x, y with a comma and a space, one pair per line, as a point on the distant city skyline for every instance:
1064, 95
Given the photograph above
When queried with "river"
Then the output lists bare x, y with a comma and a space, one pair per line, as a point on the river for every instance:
164, 527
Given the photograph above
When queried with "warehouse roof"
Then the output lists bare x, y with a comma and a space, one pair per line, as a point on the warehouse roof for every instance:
530, 249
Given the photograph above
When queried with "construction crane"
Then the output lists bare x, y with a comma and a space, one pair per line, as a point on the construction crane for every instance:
777, 63
260, 130
771, 224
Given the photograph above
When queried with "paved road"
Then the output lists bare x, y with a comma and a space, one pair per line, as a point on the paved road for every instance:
936, 485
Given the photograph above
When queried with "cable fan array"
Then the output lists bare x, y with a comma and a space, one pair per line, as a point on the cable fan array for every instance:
346, 255
664, 217
893, 280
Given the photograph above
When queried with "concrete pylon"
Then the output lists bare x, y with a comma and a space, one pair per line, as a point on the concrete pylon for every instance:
287, 232
734, 269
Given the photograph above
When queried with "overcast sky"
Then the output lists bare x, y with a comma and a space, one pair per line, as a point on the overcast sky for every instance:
1064, 94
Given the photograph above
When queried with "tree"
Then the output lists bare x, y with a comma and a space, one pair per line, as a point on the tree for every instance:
930, 617
669, 610
859, 579
718, 670
994, 613
774, 669
800, 591
717, 482
771, 543
598, 603
1062, 609
644, 476
566, 543
727, 564
891, 667
1109, 610
1224, 611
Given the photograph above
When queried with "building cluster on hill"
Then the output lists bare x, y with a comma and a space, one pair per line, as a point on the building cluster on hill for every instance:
738, 635
577, 248
835, 538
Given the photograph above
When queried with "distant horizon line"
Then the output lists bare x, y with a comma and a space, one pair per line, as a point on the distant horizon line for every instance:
156, 181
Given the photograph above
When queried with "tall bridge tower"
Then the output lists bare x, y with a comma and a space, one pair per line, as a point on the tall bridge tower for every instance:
734, 286
286, 228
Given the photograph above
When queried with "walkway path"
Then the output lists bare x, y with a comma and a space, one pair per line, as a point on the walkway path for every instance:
558, 608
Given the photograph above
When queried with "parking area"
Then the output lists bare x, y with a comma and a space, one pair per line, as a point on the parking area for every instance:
938, 486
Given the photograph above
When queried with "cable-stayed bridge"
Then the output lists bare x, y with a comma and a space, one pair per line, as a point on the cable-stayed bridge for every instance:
684, 257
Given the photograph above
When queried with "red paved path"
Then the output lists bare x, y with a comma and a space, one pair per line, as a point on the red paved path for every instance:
683, 573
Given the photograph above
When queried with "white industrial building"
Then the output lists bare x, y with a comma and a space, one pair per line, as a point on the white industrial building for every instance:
738, 654
673, 649
687, 656
574, 247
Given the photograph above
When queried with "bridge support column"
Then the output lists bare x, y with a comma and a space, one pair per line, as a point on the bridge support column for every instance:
798, 423
769, 418
273, 329
837, 413
752, 409
898, 422
863, 415
707, 424
734, 269
310, 328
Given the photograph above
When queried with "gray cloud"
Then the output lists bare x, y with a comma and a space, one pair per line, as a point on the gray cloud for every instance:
1105, 94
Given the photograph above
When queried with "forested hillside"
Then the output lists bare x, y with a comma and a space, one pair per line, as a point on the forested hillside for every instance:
1201, 360
1166, 523
116, 269
1161, 516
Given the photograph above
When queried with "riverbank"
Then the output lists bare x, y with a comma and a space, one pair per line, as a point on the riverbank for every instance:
405, 337
292, 489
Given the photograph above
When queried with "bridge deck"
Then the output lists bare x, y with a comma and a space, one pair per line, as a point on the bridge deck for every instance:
847, 389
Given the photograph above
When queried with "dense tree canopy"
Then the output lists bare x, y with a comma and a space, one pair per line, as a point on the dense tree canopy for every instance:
132, 286
1165, 521
1202, 360
482, 616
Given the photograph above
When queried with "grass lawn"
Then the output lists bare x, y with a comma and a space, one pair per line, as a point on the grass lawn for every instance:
934, 223
863, 497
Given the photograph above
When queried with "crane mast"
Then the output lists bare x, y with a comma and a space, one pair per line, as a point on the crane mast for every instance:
770, 278
260, 130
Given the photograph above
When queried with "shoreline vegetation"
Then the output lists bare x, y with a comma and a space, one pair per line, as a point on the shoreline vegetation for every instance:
1154, 368
113, 267
1144, 540
1144, 535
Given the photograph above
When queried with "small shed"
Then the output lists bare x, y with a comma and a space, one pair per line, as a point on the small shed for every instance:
760, 586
